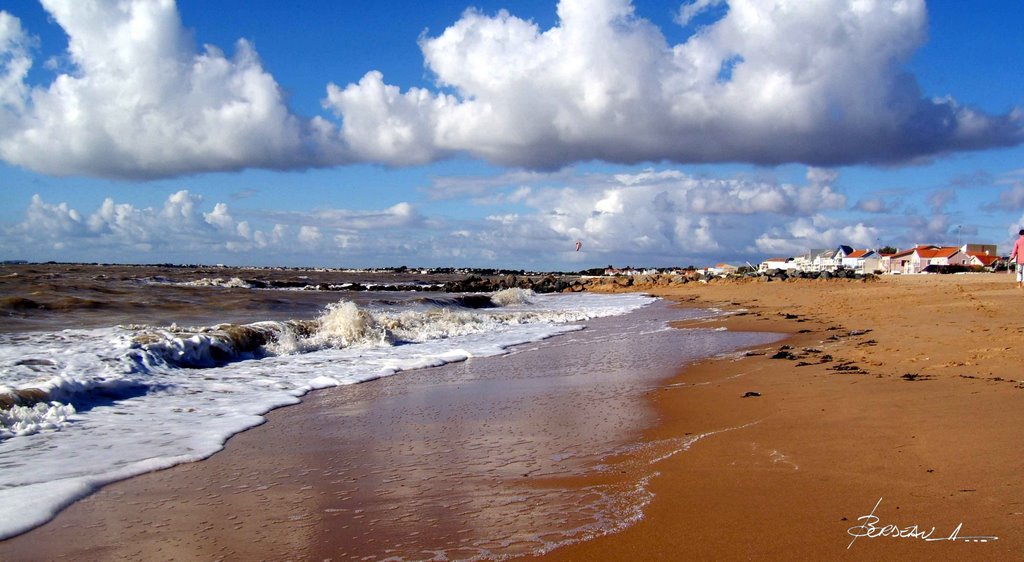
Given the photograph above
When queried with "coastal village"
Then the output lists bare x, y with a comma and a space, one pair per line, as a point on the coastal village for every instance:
922, 258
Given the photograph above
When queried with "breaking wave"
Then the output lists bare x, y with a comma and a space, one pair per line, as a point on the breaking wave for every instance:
513, 297
341, 325
121, 362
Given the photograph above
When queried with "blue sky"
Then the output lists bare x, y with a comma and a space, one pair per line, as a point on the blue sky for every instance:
498, 134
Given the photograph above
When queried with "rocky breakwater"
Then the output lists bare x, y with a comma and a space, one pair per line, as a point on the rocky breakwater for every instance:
649, 282
552, 283
559, 283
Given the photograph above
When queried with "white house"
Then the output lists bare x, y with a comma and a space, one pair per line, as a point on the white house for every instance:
722, 269
863, 261
771, 264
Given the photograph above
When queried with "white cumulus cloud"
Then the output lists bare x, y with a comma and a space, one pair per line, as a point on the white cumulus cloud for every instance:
15, 62
814, 82
142, 102
770, 81
121, 230
185, 229
651, 216
798, 236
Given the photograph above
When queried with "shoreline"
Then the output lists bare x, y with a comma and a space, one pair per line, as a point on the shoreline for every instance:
782, 475
459, 447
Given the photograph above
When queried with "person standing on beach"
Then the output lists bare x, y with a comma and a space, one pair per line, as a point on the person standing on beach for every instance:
1017, 256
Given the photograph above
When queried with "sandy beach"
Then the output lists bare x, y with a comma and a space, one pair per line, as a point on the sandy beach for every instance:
893, 402
920, 407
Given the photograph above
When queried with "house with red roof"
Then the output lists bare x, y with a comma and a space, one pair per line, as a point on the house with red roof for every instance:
863, 261
923, 257
979, 259
900, 261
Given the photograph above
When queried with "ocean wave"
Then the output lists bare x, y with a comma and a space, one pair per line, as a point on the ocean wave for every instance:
475, 301
65, 304
472, 301
48, 377
233, 283
48, 405
205, 347
513, 296
341, 325
125, 361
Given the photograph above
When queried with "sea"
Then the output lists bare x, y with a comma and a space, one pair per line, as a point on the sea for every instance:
111, 371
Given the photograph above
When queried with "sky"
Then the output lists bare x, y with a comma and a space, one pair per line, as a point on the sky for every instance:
498, 134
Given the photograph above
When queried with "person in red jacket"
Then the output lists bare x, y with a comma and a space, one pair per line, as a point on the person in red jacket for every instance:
1017, 256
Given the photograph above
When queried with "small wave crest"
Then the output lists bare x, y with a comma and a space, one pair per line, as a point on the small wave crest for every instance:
198, 348
512, 297
471, 301
233, 283
506, 297
342, 324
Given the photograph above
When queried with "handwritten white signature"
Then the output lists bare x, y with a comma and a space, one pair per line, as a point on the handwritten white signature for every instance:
870, 528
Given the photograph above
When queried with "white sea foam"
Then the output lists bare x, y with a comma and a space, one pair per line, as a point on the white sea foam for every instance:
233, 283
105, 404
513, 296
301, 285
26, 420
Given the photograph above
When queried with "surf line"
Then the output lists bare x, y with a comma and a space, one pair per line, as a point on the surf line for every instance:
869, 528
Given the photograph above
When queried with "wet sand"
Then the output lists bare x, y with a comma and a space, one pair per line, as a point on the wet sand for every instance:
918, 402
467, 460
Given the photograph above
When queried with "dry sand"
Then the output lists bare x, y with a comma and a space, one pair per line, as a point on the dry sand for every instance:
906, 390
928, 418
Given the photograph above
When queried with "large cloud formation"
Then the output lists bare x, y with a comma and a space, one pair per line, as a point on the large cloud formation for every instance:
141, 102
666, 216
650, 217
772, 81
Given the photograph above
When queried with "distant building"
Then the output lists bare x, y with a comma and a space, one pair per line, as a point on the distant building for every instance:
984, 249
982, 260
723, 269
899, 262
771, 264
943, 256
822, 260
862, 261
923, 258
